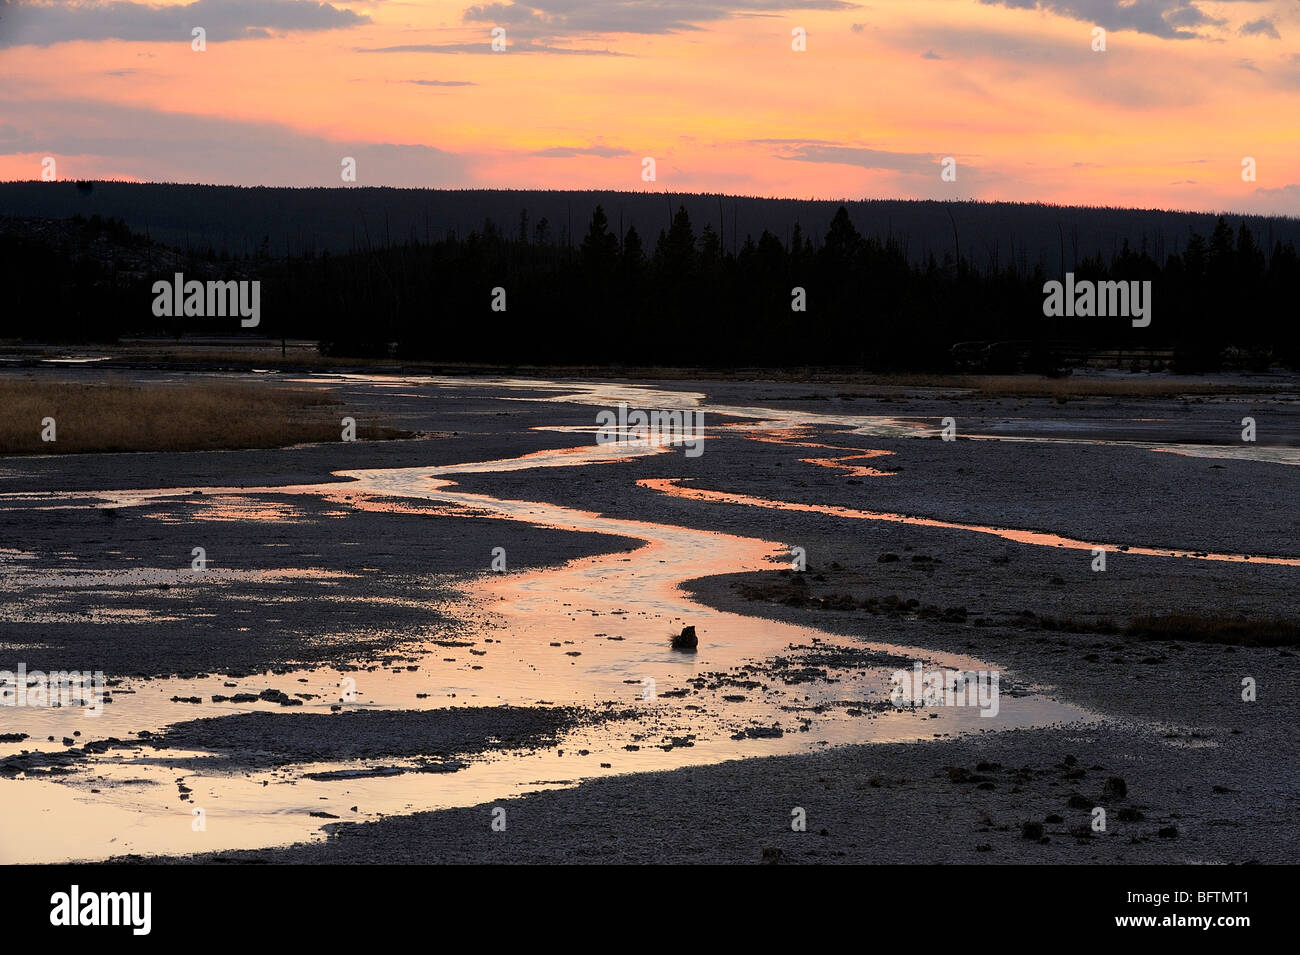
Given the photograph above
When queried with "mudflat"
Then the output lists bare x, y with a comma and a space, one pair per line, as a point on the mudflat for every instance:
389, 641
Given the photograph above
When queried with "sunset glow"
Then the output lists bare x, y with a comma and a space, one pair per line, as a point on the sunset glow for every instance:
714, 92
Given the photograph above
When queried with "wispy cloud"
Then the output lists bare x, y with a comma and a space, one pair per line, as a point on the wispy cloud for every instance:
1170, 19
1261, 27
516, 47
550, 19
1284, 200
568, 152
180, 147
862, 157
63, 21
550, 26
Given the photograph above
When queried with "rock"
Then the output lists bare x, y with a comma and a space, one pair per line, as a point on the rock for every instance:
758, 732
772, 856
1168, 832
277, 696
1032, 831
686, 640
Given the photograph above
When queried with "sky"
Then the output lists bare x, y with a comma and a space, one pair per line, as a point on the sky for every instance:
824, 99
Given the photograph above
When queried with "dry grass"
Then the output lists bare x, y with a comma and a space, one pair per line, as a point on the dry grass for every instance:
894, 387
189, 416
793, 591
1207, 628
261, 355
851, 384
1032, 386
1180, 627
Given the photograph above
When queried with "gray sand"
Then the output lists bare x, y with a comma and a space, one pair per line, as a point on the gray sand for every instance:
1194, 757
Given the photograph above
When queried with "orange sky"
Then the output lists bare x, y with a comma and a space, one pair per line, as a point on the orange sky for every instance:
713, 91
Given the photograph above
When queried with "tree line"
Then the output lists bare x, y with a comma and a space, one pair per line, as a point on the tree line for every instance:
517, 294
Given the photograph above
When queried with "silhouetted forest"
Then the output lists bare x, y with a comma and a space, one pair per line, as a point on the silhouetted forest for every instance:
238, 220
680, 297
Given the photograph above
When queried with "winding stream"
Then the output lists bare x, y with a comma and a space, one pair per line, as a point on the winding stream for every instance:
588, 633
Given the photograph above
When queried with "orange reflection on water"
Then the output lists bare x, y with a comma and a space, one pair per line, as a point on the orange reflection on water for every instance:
548, 456
854, 470
673, 487
360, 502
792, 434
794, 437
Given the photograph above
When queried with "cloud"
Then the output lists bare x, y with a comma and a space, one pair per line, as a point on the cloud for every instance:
1169, 19
1261, 27
979, 41
930, 55
1281, 201
160, 146
62, 21
546, 26
1289, 75
568, 152
440, 82
1190, 16
1073, 68
518, 46
551, 19
864, 158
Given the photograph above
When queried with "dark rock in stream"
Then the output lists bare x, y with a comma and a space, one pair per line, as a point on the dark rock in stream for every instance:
686, 640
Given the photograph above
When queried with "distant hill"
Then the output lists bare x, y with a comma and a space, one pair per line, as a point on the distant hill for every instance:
239, 221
